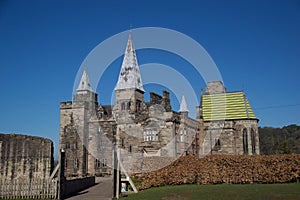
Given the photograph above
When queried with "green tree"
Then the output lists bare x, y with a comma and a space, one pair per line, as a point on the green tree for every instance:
284, 149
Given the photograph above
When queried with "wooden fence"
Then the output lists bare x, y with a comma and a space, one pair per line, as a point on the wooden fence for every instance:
35, 189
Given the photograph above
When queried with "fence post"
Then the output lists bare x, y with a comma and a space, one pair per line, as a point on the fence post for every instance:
61, 176
116, 175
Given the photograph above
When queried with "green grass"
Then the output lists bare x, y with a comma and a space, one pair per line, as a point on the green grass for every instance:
222, 191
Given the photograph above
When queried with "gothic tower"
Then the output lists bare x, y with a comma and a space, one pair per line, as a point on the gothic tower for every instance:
85, 104
129, 89
74, 127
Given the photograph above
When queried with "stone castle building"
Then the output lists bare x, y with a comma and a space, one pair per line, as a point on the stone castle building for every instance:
227, 122
88, 130
25, 158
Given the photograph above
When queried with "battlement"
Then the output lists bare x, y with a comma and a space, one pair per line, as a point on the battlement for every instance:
156, 99
166, 94
21, 137
66, 105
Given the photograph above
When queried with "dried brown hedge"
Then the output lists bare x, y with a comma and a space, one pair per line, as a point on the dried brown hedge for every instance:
216, 169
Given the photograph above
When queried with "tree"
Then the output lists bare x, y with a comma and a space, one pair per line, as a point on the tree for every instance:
284, 149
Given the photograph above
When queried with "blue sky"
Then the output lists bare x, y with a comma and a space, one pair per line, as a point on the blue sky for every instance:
255, 44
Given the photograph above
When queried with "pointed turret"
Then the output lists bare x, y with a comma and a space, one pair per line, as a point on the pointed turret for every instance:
183, 106
129, 77
84, 84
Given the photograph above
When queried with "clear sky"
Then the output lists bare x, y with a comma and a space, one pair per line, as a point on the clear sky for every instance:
255, 44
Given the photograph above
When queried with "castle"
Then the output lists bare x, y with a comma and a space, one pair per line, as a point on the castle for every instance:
225, 124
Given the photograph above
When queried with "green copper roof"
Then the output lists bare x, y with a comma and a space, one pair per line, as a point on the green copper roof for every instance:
226, 106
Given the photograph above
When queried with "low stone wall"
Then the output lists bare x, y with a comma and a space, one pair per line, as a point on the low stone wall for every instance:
218, 169
148, 164
76, 185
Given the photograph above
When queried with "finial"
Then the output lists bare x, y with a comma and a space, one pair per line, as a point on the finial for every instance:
84, 66
130, 29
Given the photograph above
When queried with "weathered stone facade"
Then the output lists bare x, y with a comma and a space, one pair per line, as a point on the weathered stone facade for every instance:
89, 130
235, 131
87, 136
25, 157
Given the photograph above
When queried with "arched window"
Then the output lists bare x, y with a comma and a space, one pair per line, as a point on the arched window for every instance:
217, 144
245, 141
123, 106
128, 106
253, 141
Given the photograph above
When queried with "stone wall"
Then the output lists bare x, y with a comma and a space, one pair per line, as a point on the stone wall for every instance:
156, 99
25, 157
187, 138
149, 129
226, 137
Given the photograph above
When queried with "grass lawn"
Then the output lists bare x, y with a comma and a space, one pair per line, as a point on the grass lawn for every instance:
222, 191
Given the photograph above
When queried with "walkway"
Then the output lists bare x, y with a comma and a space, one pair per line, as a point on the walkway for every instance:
101, 191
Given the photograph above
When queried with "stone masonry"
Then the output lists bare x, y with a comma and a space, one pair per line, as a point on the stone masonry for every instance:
139, 129
235, 130
25, 157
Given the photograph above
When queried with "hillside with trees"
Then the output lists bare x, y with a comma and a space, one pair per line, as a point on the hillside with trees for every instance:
283, 140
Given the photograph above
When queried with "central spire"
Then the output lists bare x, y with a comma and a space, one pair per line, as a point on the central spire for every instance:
130, 77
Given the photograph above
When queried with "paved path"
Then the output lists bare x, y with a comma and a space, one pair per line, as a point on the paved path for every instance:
101, 191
